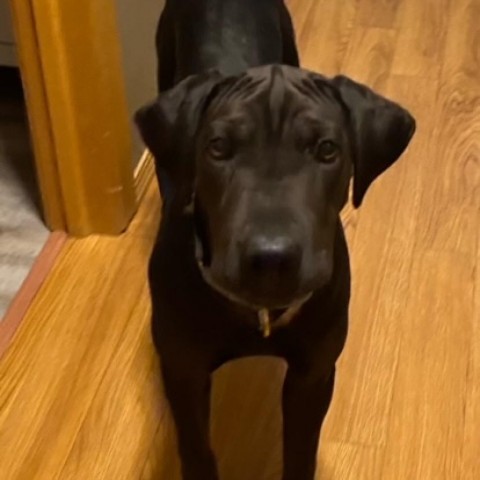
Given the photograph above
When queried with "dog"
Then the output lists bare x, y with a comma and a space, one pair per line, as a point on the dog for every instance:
254, 158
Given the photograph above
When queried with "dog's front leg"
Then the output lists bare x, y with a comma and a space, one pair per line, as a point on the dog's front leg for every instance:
306, 398
188, 392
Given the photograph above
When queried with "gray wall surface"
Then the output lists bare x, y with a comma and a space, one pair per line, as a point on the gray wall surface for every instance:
137, 21
8, 56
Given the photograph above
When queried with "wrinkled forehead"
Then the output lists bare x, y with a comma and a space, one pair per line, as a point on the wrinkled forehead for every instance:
276, 96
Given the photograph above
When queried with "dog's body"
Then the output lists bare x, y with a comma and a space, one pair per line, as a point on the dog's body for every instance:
197, 35
205, 311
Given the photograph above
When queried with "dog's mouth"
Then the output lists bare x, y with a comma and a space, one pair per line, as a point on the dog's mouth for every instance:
269, 319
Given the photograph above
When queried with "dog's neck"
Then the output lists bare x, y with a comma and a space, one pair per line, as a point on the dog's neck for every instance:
268, 320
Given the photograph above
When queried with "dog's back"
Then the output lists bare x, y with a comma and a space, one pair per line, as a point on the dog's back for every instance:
228, 35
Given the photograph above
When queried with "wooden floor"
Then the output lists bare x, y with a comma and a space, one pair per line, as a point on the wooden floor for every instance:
79, 391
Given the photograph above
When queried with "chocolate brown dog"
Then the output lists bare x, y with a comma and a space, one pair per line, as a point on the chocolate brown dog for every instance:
254, 157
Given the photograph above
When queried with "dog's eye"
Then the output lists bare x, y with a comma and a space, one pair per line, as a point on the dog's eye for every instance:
220, 148
325, 151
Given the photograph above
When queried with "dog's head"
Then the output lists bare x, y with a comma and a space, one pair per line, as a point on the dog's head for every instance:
267, 157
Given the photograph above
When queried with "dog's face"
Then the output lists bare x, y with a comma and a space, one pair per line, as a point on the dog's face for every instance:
273, 164
271, 154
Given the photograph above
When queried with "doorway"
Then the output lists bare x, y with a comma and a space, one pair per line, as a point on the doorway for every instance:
69, 56
71, 76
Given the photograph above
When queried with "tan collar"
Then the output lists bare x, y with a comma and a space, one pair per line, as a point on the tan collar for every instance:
265, 317
266, 325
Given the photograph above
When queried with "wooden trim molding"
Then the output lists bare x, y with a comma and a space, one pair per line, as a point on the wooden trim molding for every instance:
30, 287
38, 113
71, 66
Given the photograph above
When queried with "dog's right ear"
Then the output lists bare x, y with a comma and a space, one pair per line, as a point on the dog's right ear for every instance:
382, 130
168, 124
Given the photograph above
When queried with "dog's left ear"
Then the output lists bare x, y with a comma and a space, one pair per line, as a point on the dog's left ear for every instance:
382, 131
168, 124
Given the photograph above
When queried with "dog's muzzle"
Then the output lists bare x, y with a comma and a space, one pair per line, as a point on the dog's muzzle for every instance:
268, 320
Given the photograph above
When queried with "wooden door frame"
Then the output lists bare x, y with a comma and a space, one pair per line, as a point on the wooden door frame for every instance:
70, 61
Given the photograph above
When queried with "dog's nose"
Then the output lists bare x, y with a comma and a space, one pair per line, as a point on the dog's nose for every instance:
278, 255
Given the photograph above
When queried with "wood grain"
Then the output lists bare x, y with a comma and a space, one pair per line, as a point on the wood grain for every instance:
378, 13
435, 344
29, 288
421, 41
86, 347
80, 395
332, 22
342, 460
471, 458
370, 56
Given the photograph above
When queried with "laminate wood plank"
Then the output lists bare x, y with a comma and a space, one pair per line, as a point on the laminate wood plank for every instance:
455, 193
341, 460
460, 100
423, 28
126, 411
52, 372
324, 40
462, 49
431, 385
471, 440
369, 57
455, 229
378, 13
23, 298
366, 373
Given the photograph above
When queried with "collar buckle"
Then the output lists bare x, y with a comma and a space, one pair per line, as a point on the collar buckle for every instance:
265, 322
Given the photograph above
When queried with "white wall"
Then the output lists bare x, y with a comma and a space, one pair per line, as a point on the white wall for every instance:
137, 21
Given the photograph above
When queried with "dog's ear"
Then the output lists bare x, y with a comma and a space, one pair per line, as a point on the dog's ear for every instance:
168, 124
382, 131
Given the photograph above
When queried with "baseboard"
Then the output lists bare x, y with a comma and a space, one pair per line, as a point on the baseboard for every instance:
30, 287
